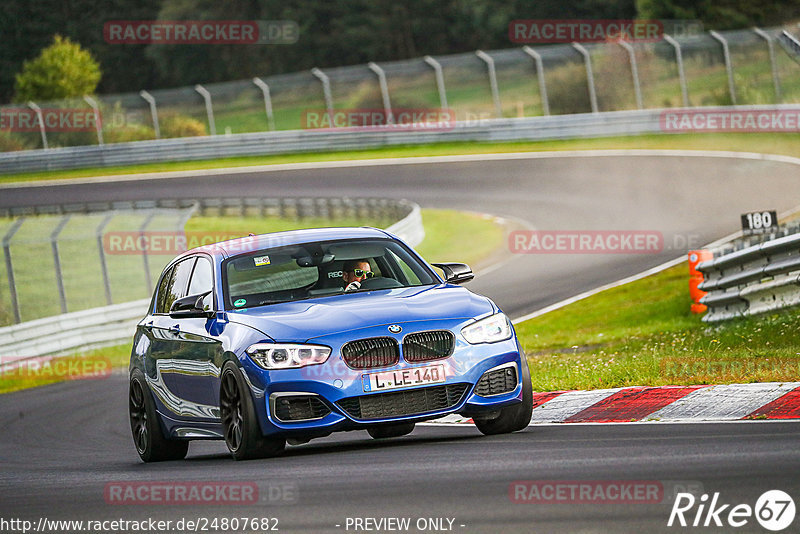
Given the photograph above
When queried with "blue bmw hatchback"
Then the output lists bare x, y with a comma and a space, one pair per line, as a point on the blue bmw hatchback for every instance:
295, 335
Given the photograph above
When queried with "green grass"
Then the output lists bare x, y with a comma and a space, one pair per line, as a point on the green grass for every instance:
642, 334
768, 143
88, 365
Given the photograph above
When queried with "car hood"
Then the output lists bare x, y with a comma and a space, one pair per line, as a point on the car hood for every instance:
305, 319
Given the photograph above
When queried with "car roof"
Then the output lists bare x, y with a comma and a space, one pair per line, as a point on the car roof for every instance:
253, 243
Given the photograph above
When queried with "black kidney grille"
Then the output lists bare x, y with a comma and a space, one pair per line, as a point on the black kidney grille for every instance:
370, 353
426, 346
401, 403
300, 408
497, 382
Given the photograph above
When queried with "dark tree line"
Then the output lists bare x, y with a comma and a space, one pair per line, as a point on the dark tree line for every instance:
332, 32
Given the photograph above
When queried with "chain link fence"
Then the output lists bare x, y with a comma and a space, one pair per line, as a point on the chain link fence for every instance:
705, 69
66, 258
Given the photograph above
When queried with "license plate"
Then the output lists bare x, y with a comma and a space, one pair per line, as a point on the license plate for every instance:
403, 378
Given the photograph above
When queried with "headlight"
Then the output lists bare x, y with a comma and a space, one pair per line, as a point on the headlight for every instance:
287, 356
489, 330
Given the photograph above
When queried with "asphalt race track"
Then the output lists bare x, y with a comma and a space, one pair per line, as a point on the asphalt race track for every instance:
62, 444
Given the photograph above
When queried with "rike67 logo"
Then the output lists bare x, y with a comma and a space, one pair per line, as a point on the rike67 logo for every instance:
774, 510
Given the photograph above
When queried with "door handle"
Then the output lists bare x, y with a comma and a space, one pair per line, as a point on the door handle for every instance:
175, 328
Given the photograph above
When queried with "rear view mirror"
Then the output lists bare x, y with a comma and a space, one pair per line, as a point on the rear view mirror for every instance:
456, 273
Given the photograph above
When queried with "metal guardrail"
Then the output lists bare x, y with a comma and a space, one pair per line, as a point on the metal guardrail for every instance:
111, 325
754, 279
296, 141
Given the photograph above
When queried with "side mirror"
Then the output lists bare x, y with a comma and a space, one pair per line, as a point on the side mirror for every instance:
456, 273
189, 307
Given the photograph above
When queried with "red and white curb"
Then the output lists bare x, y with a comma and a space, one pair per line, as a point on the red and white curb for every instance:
734, 402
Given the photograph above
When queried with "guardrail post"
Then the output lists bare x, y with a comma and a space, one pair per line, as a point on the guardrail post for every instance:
437, 70
62, 294
589, 75
101, 250
387, 105
681, 73
153, 111
209, 108
12, 286
142, 229
726, 54
267, 102
492, 81
776, 81
98, 125
537, 58
326, 91
36, 109
637, 87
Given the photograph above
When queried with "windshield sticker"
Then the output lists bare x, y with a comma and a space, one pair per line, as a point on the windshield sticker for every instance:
239, 303
261, 260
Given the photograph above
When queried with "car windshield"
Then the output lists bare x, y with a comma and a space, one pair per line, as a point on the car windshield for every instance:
319, 269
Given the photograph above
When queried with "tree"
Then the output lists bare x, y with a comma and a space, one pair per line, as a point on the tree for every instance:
62, 70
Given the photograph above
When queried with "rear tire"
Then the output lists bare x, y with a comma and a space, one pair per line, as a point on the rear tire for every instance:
148, 438
242, 432
512, 418
390, 431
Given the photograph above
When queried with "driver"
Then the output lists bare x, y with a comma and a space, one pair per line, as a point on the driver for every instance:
356, 271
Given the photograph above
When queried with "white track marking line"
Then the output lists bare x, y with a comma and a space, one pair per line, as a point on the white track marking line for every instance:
414, 160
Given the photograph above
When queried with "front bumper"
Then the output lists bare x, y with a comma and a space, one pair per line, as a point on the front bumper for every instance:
329, 397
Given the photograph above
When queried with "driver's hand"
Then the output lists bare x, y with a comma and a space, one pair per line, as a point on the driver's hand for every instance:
352, 286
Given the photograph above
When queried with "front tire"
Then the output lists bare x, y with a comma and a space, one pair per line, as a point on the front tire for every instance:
390, 431
242, 433
148, 437
512, 418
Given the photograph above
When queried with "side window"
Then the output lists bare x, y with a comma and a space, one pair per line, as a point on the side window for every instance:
203, 282
161, 299
176, 287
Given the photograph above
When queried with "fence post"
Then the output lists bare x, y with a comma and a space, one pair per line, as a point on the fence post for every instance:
387, 105
326, 92
492, 81
36, 109
12, 286
681, 73
637, 88
537, 58
209, 108
62, 294
726, 54
153, 111
589, 75
98, 125
437, 69
776, 81
102, 252
267, 102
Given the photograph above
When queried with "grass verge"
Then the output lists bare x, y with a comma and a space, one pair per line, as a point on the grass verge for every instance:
642, 334
767, 143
